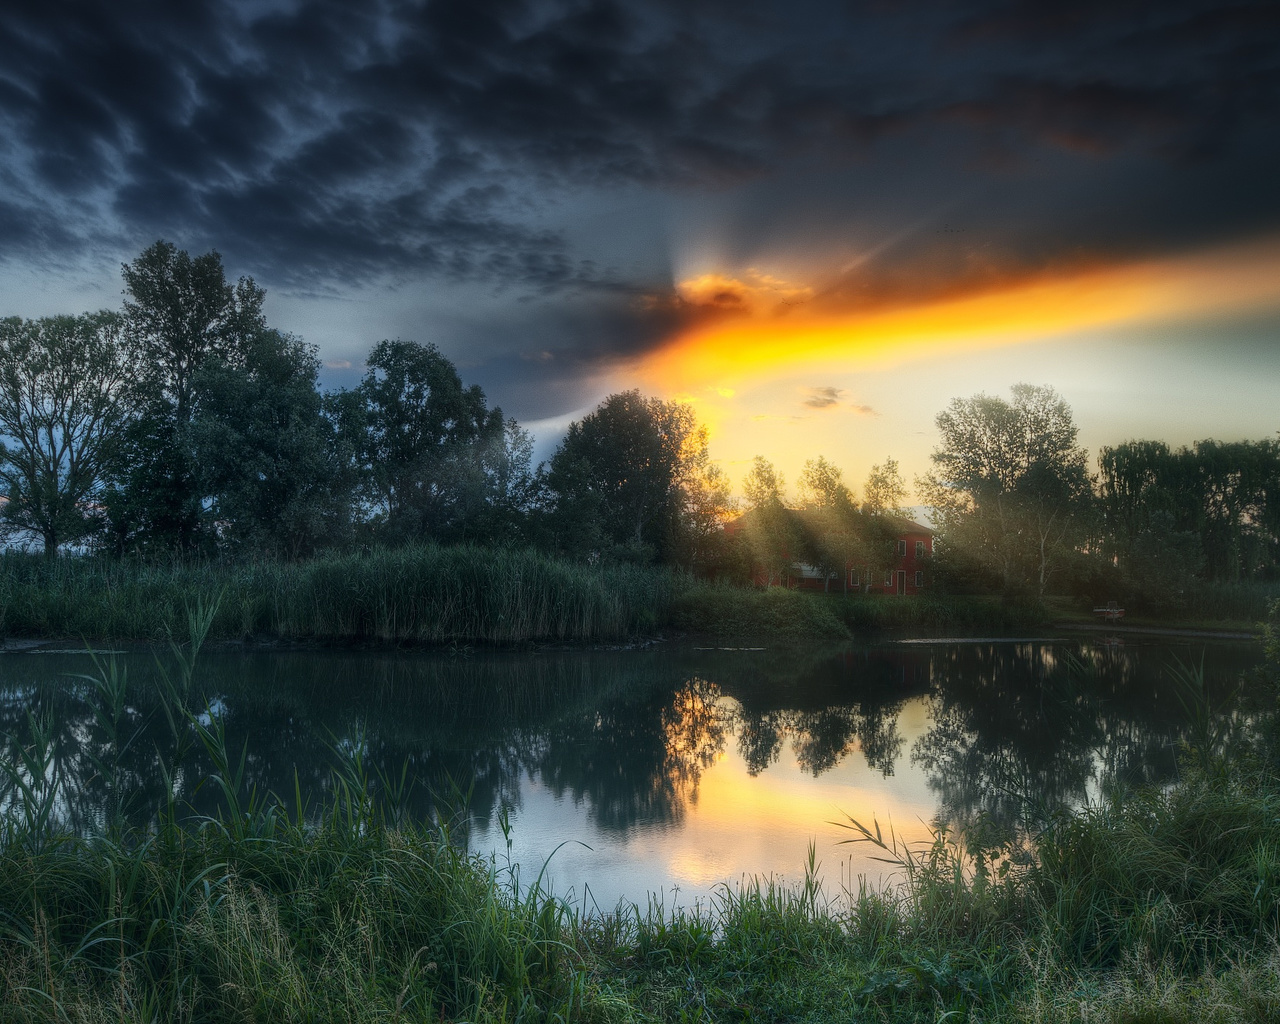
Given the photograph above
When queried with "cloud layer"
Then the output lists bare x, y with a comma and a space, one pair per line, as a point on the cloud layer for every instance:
323, 144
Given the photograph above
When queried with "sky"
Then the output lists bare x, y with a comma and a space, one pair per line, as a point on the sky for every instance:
816, 222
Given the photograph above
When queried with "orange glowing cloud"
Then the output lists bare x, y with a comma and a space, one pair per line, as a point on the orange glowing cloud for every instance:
727, 354
753, 293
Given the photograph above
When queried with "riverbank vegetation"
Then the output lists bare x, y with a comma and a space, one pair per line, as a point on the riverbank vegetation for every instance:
414, 594
462, 594
189, 442
1159, 905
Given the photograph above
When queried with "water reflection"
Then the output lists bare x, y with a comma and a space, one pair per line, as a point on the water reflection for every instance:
610, 746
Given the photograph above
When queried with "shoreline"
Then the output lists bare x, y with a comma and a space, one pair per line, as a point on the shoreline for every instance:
694, 640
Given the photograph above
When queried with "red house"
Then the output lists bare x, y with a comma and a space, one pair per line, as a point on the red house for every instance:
902, 569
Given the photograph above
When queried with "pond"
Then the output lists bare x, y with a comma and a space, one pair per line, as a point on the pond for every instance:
663, 771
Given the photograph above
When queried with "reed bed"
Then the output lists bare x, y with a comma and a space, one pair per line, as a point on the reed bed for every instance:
421, 594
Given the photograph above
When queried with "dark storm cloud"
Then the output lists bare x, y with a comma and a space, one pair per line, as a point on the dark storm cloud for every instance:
328, 142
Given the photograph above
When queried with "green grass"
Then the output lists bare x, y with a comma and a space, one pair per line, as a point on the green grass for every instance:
1160, 907
770, 615
928, 612
1207, 605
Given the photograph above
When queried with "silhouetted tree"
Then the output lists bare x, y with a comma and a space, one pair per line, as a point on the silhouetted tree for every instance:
66, 386
270, 463
182, 313
635, 475
433, 453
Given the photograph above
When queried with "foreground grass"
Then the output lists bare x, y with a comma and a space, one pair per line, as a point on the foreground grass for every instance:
349, 917
1162, 908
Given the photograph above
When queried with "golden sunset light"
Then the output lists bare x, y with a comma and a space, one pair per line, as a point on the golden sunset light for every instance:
745, 370
734, 353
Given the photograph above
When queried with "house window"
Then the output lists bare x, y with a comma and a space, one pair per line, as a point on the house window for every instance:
888, 578
919, 578
902, 547
853, 579
919, 549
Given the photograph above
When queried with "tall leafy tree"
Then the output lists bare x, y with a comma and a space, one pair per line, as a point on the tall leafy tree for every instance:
768, 527
66, 384
1010, 482
1213, 507
829, 523
628, 475
884, 491
270, 462
431, 449
182, 313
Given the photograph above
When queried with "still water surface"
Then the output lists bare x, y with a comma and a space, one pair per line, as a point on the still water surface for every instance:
664, 771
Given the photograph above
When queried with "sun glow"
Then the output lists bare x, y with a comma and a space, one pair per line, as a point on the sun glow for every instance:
724, 357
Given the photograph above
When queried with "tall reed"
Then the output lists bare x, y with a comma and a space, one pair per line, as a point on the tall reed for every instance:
425, 594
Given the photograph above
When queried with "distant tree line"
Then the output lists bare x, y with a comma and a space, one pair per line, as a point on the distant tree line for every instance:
183, 425
1018, 510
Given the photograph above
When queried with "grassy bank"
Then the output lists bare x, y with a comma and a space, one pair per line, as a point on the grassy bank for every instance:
1166, 912
470, 595
1164, 907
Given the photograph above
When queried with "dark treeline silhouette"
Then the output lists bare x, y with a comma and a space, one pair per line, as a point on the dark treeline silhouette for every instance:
184, 425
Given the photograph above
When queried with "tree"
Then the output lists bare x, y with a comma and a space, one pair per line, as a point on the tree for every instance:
1212, 507
269, 460
768, 526
1011, 483
431, 449
884, 490
630, 474
65, 386
830, 531
181, 313
705, 505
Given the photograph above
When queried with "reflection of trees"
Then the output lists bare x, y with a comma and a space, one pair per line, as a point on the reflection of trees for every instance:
1019, 729
1009, 724
836, 704
627, 734
821, 739
760, 736
637, 759
466, 728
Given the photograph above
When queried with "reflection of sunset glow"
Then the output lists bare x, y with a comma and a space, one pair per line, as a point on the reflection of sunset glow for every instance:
740, 819
728, 354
